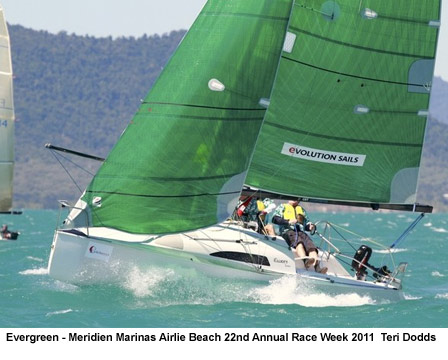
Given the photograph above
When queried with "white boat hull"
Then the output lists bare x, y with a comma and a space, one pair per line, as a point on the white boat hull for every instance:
223, 251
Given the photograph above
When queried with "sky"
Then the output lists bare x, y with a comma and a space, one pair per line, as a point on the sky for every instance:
102, 18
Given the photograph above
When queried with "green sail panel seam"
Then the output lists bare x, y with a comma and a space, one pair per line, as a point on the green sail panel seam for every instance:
359, 47
198, 178
205, 106
405, 20
161, 196
379, 16
351, 75
258, 16
370, 142
211, 118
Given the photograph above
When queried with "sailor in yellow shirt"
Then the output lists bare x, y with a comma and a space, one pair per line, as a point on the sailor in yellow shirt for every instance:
291, 218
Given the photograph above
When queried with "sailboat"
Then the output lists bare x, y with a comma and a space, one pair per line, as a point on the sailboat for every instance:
6, 125
322, 101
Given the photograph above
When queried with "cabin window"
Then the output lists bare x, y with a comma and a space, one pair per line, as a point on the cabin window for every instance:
243, 257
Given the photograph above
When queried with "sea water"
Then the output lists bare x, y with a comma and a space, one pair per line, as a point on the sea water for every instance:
164, 298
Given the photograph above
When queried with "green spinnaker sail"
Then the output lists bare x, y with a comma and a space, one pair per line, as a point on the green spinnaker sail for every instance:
348, 112
183, 159
6, 119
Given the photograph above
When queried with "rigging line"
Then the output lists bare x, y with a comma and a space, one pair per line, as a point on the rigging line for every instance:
371, 142
359, 47
160, 196
351, 75
76, 165
68, 173
364, 239
203, 106
342, 236
407, 231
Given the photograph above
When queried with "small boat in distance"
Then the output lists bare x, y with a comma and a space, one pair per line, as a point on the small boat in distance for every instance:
325, 102
6, 234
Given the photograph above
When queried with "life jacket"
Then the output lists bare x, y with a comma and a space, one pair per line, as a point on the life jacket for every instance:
242, 207
290, 212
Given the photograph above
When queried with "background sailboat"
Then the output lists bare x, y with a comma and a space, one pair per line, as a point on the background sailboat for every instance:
6, 128
6, 119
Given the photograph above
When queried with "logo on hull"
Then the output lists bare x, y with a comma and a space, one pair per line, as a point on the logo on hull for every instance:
99, 251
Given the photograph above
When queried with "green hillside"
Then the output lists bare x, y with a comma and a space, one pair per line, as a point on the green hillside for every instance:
80, 93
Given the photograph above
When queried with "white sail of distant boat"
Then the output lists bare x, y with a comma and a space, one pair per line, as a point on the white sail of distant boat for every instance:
6, 119
322, 101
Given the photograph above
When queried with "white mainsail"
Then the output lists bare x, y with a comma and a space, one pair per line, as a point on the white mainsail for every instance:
6, 118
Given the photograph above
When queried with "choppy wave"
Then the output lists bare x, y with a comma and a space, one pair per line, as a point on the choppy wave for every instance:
437, 274
439, 230
60, 312
34, 258
40, 271
387, 251
411, 297
442, 296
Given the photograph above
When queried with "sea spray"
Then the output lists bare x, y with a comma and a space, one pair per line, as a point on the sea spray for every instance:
178, 286
292, 290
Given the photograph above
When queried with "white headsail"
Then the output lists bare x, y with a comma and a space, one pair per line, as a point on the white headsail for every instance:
6, 118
